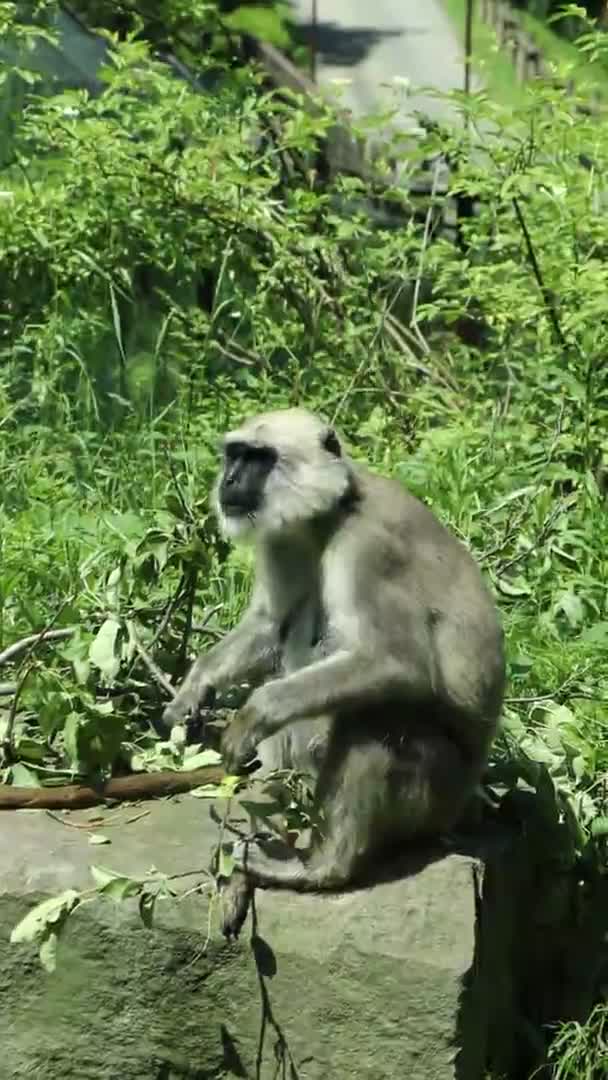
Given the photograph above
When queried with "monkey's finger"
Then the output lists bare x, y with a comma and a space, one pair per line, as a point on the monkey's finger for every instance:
178, 736
249, 766
239, 760
172, 714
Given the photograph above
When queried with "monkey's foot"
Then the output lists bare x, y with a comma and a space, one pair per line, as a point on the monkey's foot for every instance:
236, 896
252, 858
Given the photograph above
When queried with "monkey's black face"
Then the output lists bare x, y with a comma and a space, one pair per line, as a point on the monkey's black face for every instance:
246, 468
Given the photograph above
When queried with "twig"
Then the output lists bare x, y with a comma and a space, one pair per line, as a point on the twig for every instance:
92, 825
189, 516
171, 606
540, 281
191, 593
234, 356
203, 628
365, 359
425, 240
540, 537
27, 646
167, 613
29, 642
151, 664
6, 749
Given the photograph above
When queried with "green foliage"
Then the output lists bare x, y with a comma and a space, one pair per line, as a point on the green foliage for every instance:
45, 922
171, 260
580, 1051
491, 63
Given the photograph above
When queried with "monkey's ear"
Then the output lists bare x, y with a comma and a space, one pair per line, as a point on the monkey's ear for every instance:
331, 443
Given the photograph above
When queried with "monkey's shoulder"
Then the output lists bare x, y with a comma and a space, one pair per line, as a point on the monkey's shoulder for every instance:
389, 535
385, 507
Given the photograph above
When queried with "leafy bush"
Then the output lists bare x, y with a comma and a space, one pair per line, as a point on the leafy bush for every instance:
172, 259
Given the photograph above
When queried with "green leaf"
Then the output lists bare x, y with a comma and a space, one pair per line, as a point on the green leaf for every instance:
200, 760
48, 951
596, 634
117, 324
225, 790
599, 827
572, 607
513, 587
102, 875
70, 737
46, 914
121, 888
21, 776
103, 652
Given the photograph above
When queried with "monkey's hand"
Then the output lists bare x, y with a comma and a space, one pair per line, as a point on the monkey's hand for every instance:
187, 704
241, 738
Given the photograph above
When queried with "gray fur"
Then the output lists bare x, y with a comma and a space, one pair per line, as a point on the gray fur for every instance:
387, 646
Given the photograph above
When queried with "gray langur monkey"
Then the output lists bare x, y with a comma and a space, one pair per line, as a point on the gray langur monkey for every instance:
384, 643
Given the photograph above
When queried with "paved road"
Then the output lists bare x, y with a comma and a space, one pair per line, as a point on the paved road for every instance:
373, 41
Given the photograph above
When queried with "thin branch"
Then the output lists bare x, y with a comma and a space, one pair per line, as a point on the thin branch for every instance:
171, 606
91, 826
425, 240
151, 665
540, 281
18, 647
191, 593
27, 646
7, 754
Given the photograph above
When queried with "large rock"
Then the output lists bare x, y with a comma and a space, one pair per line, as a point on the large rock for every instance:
413, 977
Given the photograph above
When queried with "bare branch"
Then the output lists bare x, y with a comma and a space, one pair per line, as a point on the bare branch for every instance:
12, 652
119, 789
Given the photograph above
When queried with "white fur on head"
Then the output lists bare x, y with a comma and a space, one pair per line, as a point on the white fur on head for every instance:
307, 479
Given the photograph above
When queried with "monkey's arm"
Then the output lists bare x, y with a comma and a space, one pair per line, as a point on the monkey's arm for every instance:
249, 652
385, 654
342, 681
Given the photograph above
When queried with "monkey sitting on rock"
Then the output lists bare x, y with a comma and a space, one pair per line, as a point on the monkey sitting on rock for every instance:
377, 630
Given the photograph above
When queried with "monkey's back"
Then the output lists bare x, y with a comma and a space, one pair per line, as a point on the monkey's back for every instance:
423, 592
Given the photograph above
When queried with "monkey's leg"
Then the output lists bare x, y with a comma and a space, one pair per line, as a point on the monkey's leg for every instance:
354, 794
372, 798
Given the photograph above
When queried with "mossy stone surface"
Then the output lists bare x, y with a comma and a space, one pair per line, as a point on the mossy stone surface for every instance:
375, 983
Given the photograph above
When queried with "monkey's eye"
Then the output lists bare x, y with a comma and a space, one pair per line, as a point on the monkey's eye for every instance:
245, 452
261, 455
234, 450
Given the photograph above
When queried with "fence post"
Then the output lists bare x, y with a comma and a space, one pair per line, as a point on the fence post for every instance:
532, 61
468, 46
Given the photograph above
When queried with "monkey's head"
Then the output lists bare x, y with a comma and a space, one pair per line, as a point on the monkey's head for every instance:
280, 470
